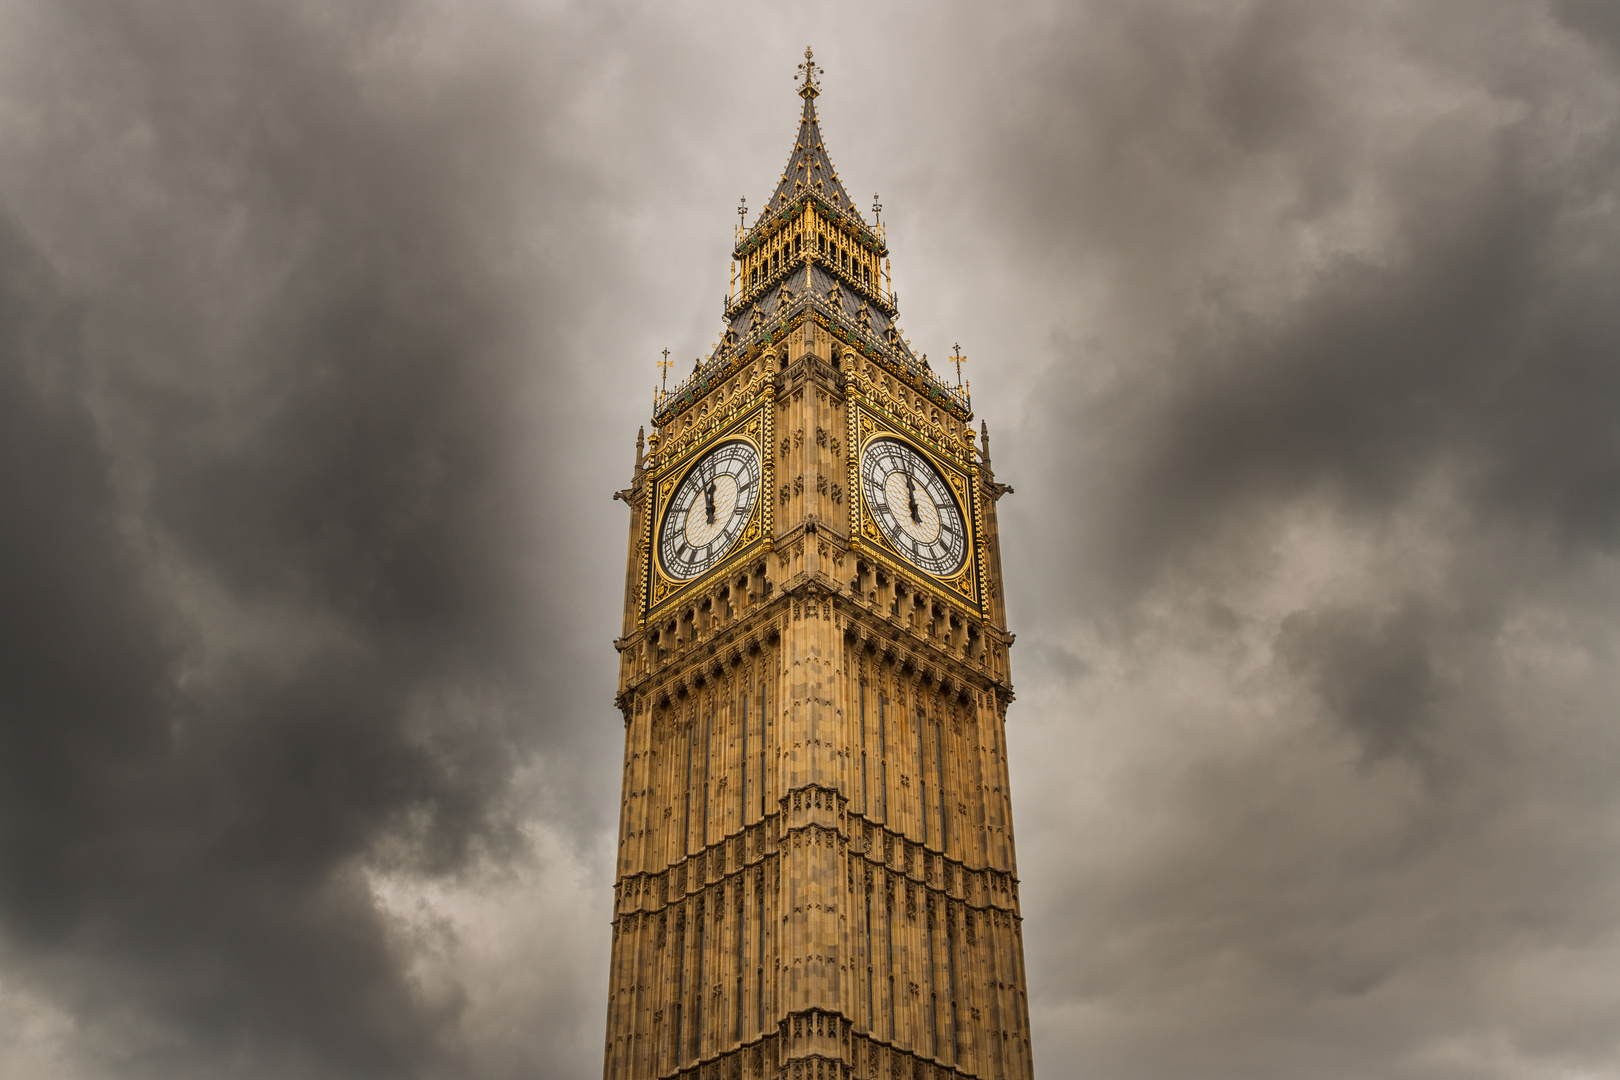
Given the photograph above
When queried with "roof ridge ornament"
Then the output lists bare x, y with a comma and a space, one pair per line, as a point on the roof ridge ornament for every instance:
808, 87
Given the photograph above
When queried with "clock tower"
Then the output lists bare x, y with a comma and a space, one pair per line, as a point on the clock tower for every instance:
816, 878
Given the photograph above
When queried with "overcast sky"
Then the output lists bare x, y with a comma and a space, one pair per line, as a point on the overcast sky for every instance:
325, 331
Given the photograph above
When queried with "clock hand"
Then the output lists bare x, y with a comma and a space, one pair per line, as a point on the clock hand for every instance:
911, 496
708, 501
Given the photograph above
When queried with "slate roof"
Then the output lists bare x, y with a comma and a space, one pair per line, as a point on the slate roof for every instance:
809, 168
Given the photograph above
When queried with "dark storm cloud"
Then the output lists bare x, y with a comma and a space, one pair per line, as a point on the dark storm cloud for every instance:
1336, 465
314, 325
1484, 348
1481, 335
263, 598
1375, 676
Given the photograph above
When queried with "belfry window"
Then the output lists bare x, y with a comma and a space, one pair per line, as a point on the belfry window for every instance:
823, 245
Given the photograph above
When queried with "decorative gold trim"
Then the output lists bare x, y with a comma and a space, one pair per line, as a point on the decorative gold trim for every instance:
978, 538
754, 428
852, 436
644, 550
767, 476
964, 586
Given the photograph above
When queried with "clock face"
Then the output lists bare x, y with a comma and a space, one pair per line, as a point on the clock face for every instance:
913, 506
709, 510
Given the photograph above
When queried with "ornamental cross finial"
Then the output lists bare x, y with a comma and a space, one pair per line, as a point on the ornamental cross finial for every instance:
808, 71
877, 208
960, 358
666, 363
742, 213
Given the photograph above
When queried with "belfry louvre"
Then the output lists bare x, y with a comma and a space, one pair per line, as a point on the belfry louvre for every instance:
816, 877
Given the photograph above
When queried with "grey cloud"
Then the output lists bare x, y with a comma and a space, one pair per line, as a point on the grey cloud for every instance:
315, 325
1592, 18
1482, 340
1373, 673
1351, 386
264, 598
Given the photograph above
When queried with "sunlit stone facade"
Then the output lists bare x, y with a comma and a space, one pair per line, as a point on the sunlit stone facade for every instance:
816, 876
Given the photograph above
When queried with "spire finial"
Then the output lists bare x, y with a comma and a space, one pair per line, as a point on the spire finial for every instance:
666, 363
808, 87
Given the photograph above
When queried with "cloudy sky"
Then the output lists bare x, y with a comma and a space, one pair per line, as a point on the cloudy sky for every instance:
325, 331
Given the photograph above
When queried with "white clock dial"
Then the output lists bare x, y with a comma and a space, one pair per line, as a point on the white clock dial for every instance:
913, 506
707, 513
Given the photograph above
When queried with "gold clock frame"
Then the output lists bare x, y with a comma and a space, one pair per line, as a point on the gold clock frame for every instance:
964, 588
753, 427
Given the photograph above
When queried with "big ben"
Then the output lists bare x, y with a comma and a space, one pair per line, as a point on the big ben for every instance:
816, 877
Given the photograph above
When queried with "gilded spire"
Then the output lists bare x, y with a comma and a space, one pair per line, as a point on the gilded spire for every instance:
809, 170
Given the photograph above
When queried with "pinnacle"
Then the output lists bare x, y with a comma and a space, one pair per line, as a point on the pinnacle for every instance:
808, 87
809, 170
